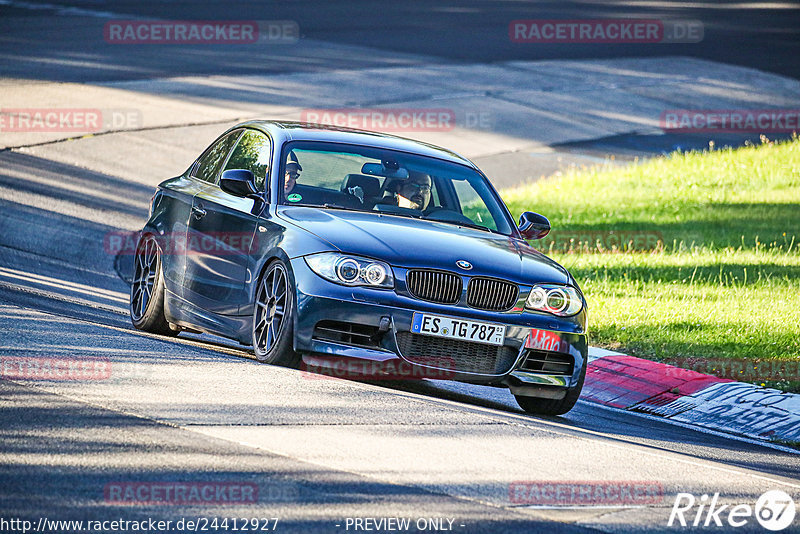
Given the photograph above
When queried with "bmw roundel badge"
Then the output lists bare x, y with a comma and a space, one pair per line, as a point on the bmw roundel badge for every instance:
464, 264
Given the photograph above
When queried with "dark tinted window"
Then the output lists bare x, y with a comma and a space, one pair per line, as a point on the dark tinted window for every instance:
252, 152
209, 165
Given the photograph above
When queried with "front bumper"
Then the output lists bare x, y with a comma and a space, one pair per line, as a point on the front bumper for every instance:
319, 300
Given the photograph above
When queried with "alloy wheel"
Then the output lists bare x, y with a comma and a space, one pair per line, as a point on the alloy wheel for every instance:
270, 308
144, 277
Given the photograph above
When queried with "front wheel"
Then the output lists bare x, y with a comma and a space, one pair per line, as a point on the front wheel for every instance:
539, 406
273, 318
147, 290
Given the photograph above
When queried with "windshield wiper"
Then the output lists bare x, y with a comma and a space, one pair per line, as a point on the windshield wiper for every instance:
340, 207
398, 214
468, 225
475, 226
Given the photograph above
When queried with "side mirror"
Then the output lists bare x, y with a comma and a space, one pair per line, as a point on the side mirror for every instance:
238, 182
533, 226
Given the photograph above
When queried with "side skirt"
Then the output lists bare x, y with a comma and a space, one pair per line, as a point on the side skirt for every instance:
183, 313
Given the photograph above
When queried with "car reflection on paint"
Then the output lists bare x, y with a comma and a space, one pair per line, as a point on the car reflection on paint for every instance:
364, 255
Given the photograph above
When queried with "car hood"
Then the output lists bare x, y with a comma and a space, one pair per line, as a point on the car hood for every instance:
407, 242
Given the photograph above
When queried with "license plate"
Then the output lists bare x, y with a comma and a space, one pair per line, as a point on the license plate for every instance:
453, 328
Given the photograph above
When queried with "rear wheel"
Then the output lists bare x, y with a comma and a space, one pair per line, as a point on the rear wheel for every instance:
147, 290
539, 406
273, 318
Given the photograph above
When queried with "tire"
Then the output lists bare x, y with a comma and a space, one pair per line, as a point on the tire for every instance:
539, 406
273, 318
147, 290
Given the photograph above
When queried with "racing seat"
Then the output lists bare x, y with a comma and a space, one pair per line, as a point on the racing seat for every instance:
370, 188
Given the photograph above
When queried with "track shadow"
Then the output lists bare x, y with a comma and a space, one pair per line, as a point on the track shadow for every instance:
81, 453
76, 185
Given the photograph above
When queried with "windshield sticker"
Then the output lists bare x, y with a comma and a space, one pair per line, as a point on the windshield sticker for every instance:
294, 197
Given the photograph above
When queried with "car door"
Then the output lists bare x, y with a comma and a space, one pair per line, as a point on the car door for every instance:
180, 194
221, 231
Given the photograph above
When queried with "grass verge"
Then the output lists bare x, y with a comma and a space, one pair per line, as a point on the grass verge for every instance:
692, 259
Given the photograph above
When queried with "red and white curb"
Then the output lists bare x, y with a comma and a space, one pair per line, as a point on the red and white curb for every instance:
630, 383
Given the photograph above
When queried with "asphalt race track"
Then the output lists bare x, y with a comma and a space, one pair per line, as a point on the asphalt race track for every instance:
319, 452
761, 35
198, 409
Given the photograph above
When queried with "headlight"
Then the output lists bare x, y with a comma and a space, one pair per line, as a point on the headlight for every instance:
558, 300
351, 270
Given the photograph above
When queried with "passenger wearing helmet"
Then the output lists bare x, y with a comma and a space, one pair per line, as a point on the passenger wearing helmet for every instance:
293, 169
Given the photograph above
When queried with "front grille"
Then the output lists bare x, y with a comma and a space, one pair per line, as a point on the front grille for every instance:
491, 294
551, 363
434, 286
360, 335
456, 355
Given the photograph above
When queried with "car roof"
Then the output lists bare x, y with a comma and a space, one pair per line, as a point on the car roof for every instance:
283, 131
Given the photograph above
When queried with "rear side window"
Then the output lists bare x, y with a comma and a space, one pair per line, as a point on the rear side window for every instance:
208, 166
253, 153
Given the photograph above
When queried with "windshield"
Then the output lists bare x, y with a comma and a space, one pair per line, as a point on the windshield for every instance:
384, 181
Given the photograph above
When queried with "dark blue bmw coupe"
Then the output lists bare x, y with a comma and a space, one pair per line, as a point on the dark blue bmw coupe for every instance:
336, 247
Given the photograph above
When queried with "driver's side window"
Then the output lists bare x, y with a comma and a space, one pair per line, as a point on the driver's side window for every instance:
253, 152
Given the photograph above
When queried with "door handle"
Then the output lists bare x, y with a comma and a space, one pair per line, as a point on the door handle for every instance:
198, 212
